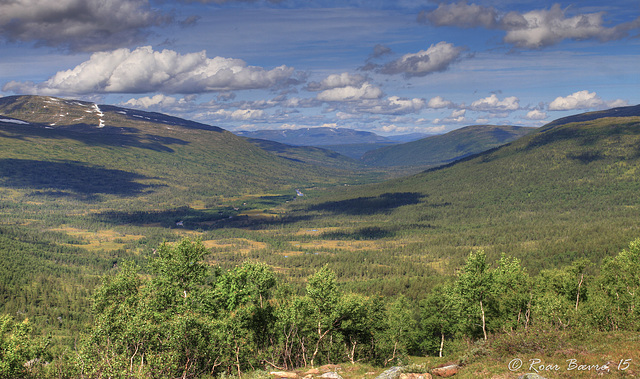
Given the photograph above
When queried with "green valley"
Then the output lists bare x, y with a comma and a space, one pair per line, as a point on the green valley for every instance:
137, 244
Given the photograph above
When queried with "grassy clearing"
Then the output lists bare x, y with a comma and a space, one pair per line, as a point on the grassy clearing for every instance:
92, 241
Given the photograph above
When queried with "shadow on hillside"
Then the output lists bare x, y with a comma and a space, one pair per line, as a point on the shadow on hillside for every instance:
68, 179
92, 136
366, 233
384, 203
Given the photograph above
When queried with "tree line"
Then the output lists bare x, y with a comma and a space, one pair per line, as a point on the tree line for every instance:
181, 317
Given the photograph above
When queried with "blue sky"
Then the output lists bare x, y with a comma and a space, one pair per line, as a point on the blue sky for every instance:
391, 67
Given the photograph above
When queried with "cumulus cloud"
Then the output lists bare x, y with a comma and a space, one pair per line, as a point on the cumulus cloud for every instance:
351, 93
78, 25
536, 114
461, 14
392, 105
583, 100
457, 117
233, 115
153, 101
145, 70
534, 29
438, 102
436, 58
493, 104
541, 28
336, 81
392, 128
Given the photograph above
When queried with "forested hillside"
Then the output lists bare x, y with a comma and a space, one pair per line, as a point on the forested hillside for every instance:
189, 320
530, 247
446, 148
76, 150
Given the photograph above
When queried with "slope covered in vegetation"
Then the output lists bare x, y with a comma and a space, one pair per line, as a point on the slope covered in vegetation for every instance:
441, 149
81, 151
334, 275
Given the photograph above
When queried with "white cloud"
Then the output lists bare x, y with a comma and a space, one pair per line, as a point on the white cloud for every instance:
236, 115
541, 28
78, 25
392, 128
392, 105
149, 102
461, 14
436, 58
145, 70
583, 100
458, 113
534, 29
337, 81
351, 93
457, 117
438, 102
536, 114
493, 104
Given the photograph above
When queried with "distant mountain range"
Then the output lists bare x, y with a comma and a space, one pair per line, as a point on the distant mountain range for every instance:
410, 150
322, 136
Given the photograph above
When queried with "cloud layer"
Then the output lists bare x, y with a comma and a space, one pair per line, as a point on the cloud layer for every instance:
583, 100
78, 25
534, 29
144, 70
436, 58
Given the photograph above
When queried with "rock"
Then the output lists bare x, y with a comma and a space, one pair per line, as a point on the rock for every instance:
426, 375
334, 368
392, 373
330, 375
531, 376
284, 374
313, 371
446, 371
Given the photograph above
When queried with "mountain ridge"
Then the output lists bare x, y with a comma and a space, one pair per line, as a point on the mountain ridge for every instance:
321, 136
156, 156
445, 148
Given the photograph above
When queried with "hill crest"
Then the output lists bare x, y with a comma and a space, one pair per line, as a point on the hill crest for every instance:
445, 148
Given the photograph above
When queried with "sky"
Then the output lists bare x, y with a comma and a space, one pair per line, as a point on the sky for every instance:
389, 67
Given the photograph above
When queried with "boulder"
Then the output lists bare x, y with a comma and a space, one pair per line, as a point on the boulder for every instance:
446, 371
531, 376
330, 375
313, 371
392, 373
333, 368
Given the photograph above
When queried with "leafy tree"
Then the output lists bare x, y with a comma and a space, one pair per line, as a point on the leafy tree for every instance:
558, 292
323, 295
440, 317
154, 327
615, 303
510, 294
474, 285
18, 348
397, 337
